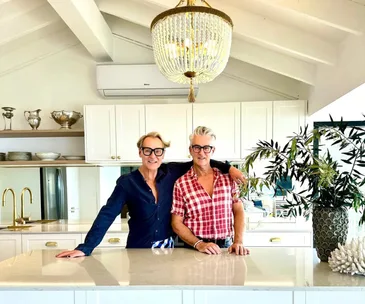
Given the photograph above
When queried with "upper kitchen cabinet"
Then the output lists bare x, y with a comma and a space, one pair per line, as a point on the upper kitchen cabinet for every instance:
289, 116
112, 132
256, 124
130, 126
224, 120
174, 123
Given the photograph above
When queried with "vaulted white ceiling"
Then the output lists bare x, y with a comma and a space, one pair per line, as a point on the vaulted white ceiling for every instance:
289, 37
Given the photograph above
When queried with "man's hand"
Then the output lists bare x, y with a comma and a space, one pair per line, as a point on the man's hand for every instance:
237, 175
70, 254
209, 248
238, 249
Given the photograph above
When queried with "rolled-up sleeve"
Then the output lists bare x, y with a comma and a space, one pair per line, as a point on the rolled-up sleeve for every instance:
178, 205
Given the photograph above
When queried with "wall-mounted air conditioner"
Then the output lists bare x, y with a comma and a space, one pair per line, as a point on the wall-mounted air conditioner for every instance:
137, 81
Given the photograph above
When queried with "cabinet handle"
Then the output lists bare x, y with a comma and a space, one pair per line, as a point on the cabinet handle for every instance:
113, 157
118, 157
275, 240
51, 244
114, 240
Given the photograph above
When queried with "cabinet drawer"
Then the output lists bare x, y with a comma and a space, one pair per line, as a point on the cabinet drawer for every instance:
112, 239
50, 241
277, 239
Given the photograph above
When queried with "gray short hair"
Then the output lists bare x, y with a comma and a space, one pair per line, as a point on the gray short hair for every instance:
202, 131
166, 144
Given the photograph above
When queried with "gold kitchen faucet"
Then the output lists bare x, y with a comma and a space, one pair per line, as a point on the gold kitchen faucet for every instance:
22, 216
14, 202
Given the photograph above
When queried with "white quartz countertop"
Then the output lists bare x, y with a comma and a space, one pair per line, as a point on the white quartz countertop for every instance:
64, 226
265, 268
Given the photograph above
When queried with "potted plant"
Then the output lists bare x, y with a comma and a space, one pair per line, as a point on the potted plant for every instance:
324, 188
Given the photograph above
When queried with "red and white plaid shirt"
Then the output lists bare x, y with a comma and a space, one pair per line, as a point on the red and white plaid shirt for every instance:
207, 217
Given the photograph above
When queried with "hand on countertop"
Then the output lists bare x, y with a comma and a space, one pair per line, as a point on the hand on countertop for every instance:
209, 248
70, 254
238, 249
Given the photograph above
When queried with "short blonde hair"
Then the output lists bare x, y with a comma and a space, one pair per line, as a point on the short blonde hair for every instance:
202, 131
166, 144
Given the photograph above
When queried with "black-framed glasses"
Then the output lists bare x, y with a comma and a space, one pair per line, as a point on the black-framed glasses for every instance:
148, 151
206, 149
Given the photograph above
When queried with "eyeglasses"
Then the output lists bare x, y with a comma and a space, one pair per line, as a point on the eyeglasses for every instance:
206, 149
148, 151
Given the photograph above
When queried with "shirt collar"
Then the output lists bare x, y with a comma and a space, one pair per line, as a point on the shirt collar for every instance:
193, 174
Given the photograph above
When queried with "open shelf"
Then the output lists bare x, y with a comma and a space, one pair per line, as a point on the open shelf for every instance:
40, 163
41, 133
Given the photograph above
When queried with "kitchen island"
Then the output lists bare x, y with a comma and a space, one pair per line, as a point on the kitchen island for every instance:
288, 275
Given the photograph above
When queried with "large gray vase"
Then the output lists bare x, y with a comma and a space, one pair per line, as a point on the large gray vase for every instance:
330, 227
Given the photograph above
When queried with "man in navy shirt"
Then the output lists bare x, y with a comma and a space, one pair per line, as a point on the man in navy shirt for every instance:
148, 195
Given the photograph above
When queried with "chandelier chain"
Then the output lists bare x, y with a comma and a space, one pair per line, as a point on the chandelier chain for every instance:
192, 3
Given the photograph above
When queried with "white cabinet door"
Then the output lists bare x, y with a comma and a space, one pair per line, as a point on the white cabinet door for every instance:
174, 123
256, 124
130, 126
10, 245
159, 296
50, 241
100, 144
289, 116
112, 240
277, 239
224, 120
334, 296
243, 296
37, 297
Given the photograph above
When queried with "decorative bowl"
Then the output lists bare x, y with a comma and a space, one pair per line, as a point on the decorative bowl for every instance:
74, 157
47, 156
66, 118
19, 156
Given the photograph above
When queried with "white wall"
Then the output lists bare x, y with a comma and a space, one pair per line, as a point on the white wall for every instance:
350, 107
347, 74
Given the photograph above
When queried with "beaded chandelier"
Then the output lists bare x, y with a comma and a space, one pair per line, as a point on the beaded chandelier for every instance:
191, 43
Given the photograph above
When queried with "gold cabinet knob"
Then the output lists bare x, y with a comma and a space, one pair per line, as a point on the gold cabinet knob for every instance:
114, 240
118, 157
51, 244
113, 157
275, 240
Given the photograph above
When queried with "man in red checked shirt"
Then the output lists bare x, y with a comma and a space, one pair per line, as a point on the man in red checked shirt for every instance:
206, 208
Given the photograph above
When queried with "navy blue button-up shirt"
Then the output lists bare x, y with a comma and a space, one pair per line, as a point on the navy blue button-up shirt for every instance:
150, 221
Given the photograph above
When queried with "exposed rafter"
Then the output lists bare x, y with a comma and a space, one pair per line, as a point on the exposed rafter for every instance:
267, 33
285, 65
344, 15
273, 61
22, 25
14, 8
88, 24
